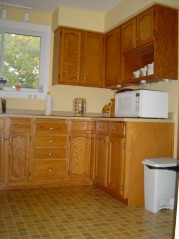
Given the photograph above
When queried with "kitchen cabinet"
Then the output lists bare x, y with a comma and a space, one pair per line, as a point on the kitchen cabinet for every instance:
113, 57
78, 57
80, 150
50, 150
152, 36
138, 31
18, 139
2, 148
120, 148
101, 153
116, 161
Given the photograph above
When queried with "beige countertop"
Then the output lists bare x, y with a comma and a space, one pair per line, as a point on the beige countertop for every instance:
69, 115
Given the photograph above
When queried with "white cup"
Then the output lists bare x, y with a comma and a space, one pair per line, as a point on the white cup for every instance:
136, 74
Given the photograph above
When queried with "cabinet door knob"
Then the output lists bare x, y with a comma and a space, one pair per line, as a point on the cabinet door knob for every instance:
50, 170
50, 141
50, 154
2, 139
51, 128
10, 139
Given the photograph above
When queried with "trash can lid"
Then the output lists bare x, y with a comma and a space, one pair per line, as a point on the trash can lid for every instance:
161, 162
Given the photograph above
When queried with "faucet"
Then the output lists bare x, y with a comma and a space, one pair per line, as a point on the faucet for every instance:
3, 103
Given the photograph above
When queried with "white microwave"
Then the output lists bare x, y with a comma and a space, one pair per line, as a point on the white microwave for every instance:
141, 103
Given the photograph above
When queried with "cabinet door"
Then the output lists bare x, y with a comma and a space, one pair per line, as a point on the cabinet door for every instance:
70, 56
115, 180
93, 74
112, 60
19, 156
129, 35
101, 160
80, 155
145, 27
2, 156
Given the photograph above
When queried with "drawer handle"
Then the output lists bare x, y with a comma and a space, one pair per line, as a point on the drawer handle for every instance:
10, 139
50, 154
50, 141
51, 128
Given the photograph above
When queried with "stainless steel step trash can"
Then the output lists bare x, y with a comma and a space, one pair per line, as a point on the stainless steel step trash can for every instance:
160, 183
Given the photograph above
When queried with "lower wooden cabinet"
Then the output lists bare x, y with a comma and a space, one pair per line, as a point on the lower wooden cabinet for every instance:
54, 152
100, 170
18, 139
50, 157
80, 149
115, 172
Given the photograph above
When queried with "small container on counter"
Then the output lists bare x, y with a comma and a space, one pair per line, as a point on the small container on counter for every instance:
79, 107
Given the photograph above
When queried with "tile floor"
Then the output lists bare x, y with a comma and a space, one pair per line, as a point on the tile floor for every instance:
78, 213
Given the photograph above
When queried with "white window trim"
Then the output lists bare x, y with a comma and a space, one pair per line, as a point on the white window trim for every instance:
45, 32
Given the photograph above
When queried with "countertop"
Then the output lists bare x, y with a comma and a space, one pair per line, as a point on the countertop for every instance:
69, 115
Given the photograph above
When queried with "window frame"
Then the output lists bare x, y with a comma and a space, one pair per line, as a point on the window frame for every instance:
33, 30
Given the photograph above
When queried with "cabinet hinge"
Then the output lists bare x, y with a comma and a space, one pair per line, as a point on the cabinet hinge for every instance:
69, 138
29, 174
68, 172
122, 188
154, 13
124, 145
155, 33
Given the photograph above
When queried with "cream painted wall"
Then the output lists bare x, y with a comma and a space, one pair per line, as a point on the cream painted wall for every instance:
79, 19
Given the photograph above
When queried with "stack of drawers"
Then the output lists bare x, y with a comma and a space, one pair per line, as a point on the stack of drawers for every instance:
50, 151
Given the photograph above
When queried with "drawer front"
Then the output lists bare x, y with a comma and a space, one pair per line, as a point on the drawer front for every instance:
81, 125
20, 124
50, 153
117, 128
51, 126
48, 169
102, 126
60, 140
2, 124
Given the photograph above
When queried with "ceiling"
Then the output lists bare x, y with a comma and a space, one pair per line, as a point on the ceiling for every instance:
50, 6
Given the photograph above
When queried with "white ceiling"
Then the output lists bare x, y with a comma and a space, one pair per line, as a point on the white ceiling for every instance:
50, 6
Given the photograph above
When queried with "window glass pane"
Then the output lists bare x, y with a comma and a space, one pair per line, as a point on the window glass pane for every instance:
21, 60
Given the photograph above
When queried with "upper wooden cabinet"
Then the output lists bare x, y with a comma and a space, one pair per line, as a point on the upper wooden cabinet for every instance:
113, 57
138, 31
128, 37
152, 36
78, 57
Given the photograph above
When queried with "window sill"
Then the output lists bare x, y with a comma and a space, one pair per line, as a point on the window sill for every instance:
22, 94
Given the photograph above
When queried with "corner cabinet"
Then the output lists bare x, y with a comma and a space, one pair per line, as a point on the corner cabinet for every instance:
152, 36
120, 148
78, 57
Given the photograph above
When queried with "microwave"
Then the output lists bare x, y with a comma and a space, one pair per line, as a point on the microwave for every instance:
142, 104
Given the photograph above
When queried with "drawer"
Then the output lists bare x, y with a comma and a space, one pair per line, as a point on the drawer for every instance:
60, 140
50, 153
48, 169
20, 124
2, 124
102, 126
51, 126
82, 125
117, 128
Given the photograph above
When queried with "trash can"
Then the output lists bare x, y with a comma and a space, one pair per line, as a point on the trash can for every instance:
160, 183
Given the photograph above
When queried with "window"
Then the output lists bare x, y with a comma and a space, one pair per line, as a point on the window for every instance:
24, 59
